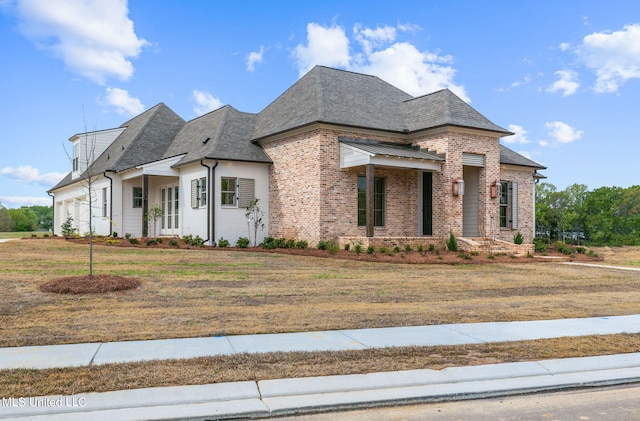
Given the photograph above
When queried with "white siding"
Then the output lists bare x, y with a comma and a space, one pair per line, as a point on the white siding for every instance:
231, 223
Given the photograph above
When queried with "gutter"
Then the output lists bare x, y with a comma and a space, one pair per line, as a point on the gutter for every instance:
53, 213
110, 202
211, 217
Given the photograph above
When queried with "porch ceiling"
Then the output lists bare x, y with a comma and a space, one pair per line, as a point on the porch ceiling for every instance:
354, 154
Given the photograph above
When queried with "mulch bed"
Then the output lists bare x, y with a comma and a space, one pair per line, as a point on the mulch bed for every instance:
85, 284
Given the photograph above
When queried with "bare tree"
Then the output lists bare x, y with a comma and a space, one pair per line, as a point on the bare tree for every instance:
87, 173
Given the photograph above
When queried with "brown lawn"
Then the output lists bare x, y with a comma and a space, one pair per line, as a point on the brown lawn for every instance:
198, 292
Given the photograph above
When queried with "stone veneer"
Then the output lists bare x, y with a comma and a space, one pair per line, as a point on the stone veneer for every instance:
312, 199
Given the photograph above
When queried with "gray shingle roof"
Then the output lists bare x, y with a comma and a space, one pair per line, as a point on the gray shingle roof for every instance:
507, 156
146, 138
326, 95
444, 108
221, 134
334, 96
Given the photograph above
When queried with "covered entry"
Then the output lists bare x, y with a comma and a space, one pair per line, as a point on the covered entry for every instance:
472, 166
371, 154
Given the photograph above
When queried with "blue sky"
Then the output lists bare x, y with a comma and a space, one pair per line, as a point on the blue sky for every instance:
565, 76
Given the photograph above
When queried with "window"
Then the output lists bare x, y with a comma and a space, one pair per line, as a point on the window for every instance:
509, 204
378, 201
199, 192
137, 197
76, 155
228, 191
105, 203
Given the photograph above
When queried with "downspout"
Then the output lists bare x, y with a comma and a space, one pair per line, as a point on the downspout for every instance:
53, 214
211, 216
110, 203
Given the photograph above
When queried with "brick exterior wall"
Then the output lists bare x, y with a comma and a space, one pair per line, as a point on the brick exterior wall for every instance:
312, 199
526, 203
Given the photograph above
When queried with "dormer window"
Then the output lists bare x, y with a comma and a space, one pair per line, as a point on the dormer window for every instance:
76, 157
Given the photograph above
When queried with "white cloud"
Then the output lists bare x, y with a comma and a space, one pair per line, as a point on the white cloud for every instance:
567, 83
614, 56
526, 154
400, 63
524, 81
28, 174
123, 103
325, 46
543, 143
94, 38
520, 136
19, 201
205, 102
562, 132
564, 46
253, 58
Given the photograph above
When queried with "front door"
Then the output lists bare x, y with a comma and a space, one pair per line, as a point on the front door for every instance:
427, 203
169, 202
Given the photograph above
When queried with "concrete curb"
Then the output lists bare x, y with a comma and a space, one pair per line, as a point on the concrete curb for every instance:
294, 396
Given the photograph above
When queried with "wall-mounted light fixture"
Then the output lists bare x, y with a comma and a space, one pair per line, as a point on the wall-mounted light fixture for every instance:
458, 187
495, 189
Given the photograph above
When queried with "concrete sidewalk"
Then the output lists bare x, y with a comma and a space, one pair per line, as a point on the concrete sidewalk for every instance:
291, 396
77, 355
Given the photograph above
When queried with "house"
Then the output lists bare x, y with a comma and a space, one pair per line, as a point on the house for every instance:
339, 156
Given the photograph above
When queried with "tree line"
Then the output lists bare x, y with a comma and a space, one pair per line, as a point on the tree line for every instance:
603, 216
26, 218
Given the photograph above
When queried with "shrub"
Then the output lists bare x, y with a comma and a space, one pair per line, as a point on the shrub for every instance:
127, 235
464, 256
333, 248
290, 244
267, 243
491, 256
323, 245
222, 243
563, 248
540, 244
243, 242
383, 250
370, 250
396, 249
581, 250
193, 241
357, 248
407, 248
420, 248
133, 240
67, 227
452, 243
302, 244
518, 239
114, 234
173, 242
151, 242
347, 247
159, 240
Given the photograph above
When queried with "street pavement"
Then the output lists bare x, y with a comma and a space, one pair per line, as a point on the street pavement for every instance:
304, 395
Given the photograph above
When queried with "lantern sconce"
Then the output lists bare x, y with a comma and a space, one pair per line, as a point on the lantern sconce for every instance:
495, 189
458, 187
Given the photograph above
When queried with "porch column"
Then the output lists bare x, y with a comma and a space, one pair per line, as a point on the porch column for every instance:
145, 204
370, 175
